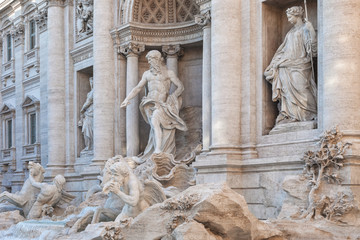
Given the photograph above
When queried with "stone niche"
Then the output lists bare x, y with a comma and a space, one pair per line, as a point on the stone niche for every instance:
274, 29
190, 74
83, 87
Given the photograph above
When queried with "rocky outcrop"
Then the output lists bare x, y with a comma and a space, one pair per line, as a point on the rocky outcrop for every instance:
200, 212
7, 219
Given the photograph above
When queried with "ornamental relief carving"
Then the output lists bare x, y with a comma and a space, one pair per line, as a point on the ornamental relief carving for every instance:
203, 19
40, 18
164, 11
17, 32
84, 19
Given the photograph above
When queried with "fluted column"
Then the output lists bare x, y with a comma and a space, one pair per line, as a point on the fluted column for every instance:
104, 92
56, 88
132, 52
205, 20
226, 74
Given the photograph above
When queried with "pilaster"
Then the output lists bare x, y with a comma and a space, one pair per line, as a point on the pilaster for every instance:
204, 20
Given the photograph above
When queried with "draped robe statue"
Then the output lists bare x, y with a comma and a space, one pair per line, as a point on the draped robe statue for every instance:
291, 71
159, 108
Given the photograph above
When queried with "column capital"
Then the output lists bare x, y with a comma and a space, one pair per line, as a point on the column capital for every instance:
40, 18
173, 50
131, 49
203, 19
17, 32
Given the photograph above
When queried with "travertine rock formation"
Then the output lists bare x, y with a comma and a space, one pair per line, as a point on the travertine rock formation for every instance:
209, 211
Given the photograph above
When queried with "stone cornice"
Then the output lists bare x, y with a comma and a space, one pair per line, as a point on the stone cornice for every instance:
203, 19
158, 35
131, 49
173, 50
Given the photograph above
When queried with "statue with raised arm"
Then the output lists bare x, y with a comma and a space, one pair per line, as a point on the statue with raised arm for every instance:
159, 108
291, 71
50, 195
27, 195
86, 119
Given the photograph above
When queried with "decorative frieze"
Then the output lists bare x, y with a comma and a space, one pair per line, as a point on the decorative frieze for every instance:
183, 34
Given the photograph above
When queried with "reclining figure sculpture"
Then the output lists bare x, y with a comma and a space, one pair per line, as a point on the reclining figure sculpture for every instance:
27, 195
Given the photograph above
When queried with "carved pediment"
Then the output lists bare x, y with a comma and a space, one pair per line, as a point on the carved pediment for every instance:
30, 101
6, 108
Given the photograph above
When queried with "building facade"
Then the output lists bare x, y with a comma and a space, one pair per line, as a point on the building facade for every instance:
218, 48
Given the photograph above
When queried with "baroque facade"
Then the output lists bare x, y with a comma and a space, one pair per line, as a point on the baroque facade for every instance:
219, 49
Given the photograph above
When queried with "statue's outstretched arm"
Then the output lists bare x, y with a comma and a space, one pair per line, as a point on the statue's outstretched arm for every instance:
135, 91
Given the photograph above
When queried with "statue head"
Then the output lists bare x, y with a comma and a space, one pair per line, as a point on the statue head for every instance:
296, 11
59, 181
106, 172
119, 171
155, 59
36, 170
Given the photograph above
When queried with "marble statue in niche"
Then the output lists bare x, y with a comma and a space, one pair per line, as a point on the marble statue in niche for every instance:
86, 120
84, 12
291, 71
159, 108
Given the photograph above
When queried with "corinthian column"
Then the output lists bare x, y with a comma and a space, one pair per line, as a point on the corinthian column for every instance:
339, 79
204, 20
172, 52
56, 88
226, 74
132, 52
104, 92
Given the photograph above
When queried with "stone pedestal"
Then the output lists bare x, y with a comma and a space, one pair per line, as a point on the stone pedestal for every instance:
293, 127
